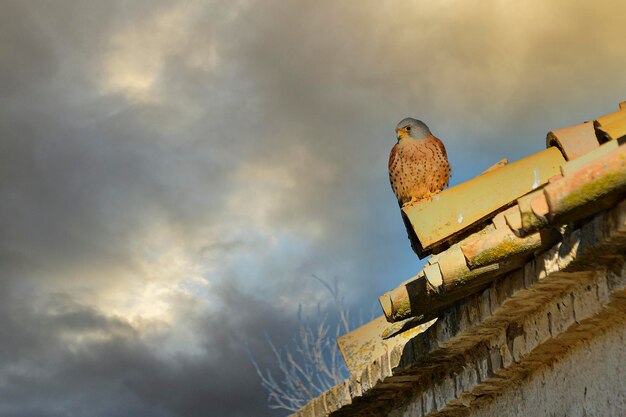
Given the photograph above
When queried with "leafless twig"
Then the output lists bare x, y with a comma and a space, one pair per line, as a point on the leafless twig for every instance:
312, 363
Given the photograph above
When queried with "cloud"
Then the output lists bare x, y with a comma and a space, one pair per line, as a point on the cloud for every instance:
171, 175
138, 51
69, 358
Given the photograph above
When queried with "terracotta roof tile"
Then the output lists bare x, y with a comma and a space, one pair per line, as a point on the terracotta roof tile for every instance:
574, 141
531, 220
611, 127
432, 224
367, 343
513, 218
590, 189
573, 166
503, 244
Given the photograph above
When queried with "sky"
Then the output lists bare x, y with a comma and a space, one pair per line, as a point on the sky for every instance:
172, 174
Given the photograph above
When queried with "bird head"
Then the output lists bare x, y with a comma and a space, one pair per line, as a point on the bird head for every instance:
413, 128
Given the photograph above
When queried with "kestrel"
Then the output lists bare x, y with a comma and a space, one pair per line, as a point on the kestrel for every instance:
418, 163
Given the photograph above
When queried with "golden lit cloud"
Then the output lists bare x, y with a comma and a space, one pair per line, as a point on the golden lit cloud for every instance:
139, 50
264, 191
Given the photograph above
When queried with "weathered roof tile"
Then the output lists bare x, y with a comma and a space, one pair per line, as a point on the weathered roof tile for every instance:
531, 220
592, 188
574, 141
573, 166
435, 222
513, 218
364, 345
611, 127
502, 244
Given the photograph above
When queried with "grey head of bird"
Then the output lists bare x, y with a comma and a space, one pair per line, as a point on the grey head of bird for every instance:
413, 128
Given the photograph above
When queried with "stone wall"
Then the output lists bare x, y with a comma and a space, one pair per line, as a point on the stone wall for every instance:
527, 345
589, 381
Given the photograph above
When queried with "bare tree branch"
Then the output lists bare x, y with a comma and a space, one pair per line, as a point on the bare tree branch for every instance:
312, 364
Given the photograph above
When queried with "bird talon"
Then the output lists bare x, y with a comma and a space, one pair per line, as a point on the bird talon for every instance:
411, 202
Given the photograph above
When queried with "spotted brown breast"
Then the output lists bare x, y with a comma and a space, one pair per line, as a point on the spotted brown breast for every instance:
418, 168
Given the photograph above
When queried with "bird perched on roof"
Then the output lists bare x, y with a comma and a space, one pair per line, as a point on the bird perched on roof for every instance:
418, 163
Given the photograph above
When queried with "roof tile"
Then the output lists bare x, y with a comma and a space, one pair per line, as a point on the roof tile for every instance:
590, 189
362, 346
573, 166
610, 126
574, 141
615, 130
455, 210
513, 218
531, 221
503, 244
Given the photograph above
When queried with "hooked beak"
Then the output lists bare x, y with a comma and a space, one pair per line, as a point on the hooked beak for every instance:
399, 134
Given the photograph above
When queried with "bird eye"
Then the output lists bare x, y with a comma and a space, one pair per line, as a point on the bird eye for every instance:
408, 128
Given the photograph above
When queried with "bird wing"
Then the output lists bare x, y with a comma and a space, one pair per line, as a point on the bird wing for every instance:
442, 148
392, 155
392, 158
439, 144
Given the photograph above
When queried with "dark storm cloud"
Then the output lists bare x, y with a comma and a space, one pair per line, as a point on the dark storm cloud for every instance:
172, 174
112, 371
84, 175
